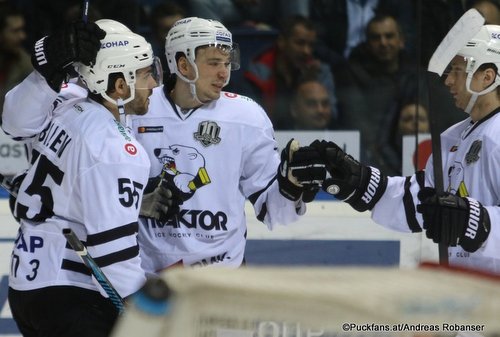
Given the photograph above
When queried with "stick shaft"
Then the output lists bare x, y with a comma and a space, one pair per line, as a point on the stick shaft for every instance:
97, 272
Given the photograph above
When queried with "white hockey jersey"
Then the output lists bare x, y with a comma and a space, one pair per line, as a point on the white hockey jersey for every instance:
218, 155
471, 162
87, 173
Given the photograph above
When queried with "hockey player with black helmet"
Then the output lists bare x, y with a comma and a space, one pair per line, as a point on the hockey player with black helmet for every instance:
464, 218
87, 173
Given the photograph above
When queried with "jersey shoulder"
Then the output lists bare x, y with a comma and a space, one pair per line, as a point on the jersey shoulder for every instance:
240, 109
100, 134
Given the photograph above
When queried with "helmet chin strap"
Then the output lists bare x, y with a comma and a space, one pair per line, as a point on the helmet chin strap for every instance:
121, 111
192, 83
476, 94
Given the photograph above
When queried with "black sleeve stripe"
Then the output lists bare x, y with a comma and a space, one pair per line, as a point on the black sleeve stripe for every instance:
253, 198
420, 178
112, 234
103, 261
262, 213
410, 208
77, 267
119, 256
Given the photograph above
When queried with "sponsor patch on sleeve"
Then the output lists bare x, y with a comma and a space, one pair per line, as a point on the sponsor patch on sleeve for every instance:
149, 129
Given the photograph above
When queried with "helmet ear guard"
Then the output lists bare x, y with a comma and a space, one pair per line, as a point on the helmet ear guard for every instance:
122, 51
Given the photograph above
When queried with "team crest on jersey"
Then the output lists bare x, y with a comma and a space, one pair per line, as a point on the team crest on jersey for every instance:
208, 133
184, 168
473, 154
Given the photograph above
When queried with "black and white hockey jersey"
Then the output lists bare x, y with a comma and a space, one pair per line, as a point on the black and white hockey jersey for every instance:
471, 162
87, 173
217, 155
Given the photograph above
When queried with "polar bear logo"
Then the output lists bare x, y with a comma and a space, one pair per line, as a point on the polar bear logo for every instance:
183, 165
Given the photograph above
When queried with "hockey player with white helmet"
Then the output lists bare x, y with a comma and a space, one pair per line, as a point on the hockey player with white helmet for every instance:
465, 217
215, 149
88, 173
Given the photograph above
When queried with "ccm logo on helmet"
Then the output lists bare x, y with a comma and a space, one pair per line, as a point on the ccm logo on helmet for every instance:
495, 35
116, 66
112, 44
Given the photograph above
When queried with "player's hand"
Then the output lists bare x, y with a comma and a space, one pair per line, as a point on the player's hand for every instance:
159, 202
358, 185
451, 220
301, 172
54, 54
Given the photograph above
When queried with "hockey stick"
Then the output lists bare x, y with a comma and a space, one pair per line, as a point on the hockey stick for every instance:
464, 29
85, 15
7, 185
97, 272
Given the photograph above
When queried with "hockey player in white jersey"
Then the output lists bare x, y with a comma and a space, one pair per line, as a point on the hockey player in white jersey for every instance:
466, 216
216, 149
87, 173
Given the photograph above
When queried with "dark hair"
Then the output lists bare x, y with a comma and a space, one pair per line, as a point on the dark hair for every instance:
289, 23
110, 89
380, 17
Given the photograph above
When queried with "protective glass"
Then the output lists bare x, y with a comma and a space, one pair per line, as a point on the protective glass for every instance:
234, 54
150, 77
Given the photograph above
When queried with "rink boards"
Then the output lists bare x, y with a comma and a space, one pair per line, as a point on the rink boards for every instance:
330, 234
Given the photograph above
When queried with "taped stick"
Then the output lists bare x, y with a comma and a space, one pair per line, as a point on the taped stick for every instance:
97, 272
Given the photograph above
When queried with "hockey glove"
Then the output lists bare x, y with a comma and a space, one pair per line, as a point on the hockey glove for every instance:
301, 172
14, 190
53, 55
158, 201
358, 185
451, 220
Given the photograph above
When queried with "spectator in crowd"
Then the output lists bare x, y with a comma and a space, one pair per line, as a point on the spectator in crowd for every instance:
272, 75
162, 18
311, 108
410, 118
379, 74
258, 14
15, 62
411, 115
490, 9
347, 18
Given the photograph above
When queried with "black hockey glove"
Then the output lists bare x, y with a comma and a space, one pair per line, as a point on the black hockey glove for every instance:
301, 172
358, 185
158, 201
14, 189
53, 55
451, 220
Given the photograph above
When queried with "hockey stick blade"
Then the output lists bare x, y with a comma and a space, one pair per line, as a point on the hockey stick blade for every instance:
97, 272
464, 29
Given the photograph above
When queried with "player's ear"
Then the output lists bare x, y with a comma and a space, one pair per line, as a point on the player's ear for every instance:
183, 65
489, 77
121, 87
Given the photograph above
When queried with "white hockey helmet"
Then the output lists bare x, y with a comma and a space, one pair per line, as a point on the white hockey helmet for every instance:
190, 33
483, 48
122, 51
